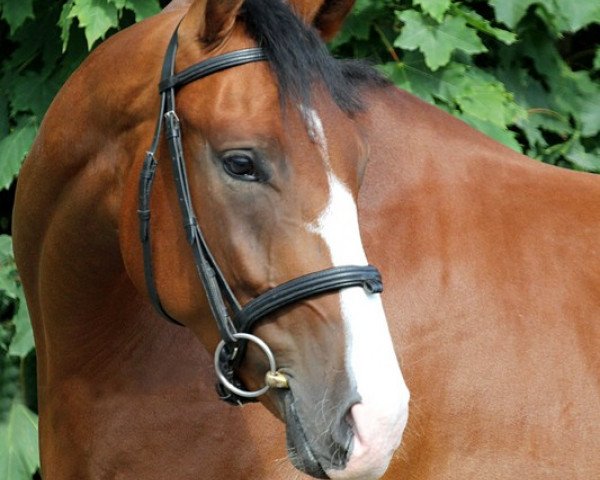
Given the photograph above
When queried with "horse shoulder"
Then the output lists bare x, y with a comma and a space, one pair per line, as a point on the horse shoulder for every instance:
491, 273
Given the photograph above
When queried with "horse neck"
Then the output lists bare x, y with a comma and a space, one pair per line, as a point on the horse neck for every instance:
83, 304
465, 213
177, 5
421, 155
418, 144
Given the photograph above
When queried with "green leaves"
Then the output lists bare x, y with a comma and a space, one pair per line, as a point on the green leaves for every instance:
534, 86
479, 95
143, 8
8, 269
483, 25
19, 454
98, 17
21, 341
435, 8
33, 92
584, 160
13, 149
436, 41
510, 12
447, 35
561, 15
576, 14
16, 12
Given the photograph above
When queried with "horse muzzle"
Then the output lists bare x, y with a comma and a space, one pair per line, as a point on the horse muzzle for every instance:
316, 452
341, 435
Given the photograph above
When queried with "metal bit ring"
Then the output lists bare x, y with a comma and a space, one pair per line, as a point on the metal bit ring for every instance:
227, 384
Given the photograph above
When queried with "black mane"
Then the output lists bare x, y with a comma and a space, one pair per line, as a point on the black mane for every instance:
300, 59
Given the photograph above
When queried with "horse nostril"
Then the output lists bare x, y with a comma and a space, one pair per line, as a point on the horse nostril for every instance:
349, 417
351, 429
344, 433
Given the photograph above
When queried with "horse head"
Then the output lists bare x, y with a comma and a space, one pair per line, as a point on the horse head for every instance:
268, 188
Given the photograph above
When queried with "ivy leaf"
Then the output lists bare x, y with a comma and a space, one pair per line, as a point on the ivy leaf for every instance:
33, 92
3, 116
589, 114
142, 8
484, 26
22, 342
120, 4
499, 134
437, 42
583, 100
435, 8
413, 76
584, 160
7, 268
10, 381
19, 452
96, 17
528, 93
480, 95
566, 15
64, 22
597, 59
5, 337
486, 102
358, 24
15, 12
13, 149
541, 111
577, 13
574, 93
510, 12
33, 51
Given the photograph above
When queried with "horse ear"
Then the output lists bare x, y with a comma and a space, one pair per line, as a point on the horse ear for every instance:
330, 17
212, 19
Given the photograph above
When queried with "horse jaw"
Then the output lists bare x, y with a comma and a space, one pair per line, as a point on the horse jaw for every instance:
380, 417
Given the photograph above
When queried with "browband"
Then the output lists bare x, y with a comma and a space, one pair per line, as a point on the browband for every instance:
212, 65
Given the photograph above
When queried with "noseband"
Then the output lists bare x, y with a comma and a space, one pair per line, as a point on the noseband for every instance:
233, 321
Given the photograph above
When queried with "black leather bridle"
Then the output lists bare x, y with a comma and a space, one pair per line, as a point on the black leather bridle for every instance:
233, 321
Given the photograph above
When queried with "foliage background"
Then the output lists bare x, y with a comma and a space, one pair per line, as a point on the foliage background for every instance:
526, 72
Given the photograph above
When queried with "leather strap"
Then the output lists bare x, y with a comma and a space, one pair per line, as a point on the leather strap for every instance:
146, 179
306, 286
145, 187
210, 66
222, 301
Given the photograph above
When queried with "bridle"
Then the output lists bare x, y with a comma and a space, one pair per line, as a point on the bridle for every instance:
233, 321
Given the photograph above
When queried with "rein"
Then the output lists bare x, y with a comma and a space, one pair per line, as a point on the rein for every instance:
233, 321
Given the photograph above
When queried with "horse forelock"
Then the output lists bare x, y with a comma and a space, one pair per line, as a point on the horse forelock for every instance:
297, 55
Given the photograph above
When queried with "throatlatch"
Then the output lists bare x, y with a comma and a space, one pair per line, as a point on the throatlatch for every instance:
224, 306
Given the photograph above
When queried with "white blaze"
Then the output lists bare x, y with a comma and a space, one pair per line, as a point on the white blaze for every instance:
379, 419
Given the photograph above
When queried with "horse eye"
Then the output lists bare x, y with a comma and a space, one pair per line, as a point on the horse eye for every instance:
240, 165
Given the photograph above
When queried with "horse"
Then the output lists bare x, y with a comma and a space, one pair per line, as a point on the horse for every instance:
489, 293
493, 296
228, 198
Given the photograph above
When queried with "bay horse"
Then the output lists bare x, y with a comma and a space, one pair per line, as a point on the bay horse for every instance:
491, 300
492, 290
238, 203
